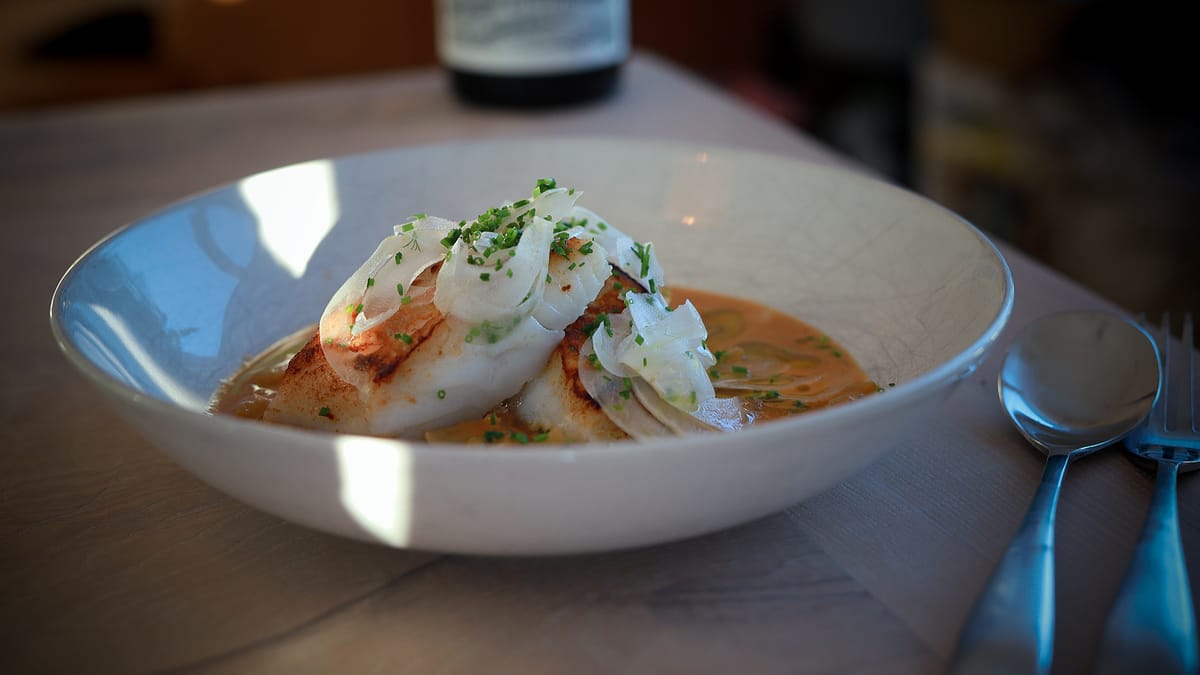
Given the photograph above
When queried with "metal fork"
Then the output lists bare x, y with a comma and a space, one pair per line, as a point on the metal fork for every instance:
1152, 628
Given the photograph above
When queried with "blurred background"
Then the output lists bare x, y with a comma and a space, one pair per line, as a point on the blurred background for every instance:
1067, 128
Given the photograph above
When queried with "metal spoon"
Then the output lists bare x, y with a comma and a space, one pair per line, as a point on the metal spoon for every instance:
1072, 383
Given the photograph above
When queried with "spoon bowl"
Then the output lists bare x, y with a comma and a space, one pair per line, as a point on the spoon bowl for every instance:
1072, 383
1075, 382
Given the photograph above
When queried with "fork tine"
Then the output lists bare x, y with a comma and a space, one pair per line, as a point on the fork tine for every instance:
1189, 374
1158, 414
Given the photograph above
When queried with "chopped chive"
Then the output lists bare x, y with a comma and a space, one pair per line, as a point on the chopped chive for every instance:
399, 256
404, 337
405, 300
741, 370
508, 272
485, 276
541, 437
627, 389
324, 412
370, 281
642, 251
639, 339
492, 419
441, 393
493, 436
519, 437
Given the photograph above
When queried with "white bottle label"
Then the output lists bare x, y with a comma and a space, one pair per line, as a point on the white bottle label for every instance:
532, 37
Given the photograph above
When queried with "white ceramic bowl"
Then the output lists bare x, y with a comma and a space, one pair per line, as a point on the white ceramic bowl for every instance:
159, 312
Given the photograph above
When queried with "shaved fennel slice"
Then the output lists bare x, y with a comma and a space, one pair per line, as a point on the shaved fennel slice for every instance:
552, 205
575, 281
640, 263
714, 414
608, 343
617, 402
477, 287
665, 347
374, 292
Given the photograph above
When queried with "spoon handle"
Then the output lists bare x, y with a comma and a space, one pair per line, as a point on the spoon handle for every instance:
1011, 629
1152, 628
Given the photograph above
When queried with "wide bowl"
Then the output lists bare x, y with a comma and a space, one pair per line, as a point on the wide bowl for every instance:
159, 312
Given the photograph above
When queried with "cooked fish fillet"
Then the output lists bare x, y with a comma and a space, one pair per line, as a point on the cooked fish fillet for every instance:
421, 369
556, 399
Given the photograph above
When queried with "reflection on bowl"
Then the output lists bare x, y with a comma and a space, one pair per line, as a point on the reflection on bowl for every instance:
158, 313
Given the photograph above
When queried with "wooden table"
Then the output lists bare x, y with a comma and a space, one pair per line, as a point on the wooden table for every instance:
116, 560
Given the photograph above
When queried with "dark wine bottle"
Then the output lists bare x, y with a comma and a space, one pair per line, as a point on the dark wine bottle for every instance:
533, 53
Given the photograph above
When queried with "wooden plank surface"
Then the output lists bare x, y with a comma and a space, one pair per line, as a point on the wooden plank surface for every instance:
115, 560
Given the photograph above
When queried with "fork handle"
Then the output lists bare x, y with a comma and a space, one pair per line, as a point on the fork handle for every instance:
1011, 630
1152, 628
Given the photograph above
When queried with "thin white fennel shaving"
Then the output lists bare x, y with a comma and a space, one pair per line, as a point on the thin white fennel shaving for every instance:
378, 289
615, 396
664, 346
638, 260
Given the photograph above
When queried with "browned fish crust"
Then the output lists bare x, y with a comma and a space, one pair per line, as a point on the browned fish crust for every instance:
608, 301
